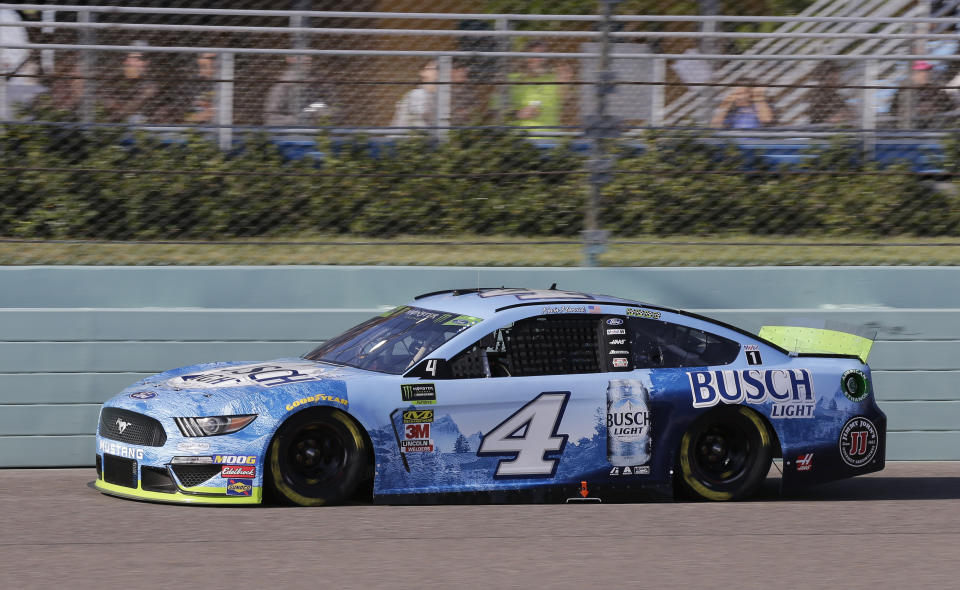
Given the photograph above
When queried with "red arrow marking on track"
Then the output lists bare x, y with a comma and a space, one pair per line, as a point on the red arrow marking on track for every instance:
583, 489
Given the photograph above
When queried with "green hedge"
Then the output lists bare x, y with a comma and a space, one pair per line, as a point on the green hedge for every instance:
103, 183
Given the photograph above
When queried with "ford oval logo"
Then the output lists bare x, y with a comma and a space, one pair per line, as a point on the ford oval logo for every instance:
143, 395
614, 321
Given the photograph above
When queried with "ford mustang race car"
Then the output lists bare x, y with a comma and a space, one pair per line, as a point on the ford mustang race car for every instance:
501, 395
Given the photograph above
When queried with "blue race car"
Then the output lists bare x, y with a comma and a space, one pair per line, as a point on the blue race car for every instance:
503, 395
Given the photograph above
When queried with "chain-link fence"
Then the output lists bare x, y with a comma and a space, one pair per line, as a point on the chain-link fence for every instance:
454, 132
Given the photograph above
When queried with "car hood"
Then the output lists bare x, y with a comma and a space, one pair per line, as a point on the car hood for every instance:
231, 388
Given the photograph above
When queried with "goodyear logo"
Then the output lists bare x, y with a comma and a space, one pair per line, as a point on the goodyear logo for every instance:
235, 459
636, 312
417, 416
317, 398
236, 487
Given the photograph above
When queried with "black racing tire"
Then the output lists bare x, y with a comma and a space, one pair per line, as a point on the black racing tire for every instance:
725, 455
317, 458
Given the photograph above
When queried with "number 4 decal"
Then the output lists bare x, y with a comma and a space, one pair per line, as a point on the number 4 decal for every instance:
529, 435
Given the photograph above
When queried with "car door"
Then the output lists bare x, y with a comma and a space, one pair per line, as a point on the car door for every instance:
522, 407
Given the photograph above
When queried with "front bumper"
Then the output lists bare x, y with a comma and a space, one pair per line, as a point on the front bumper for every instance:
172, 468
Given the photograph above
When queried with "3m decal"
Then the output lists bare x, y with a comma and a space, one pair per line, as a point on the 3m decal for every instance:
417, 416
636, 312
620, 363
858, 442
530, 437
315, 399
411, 431
805, 462
419, 393
790, 390
753, 357
238, 471
238, 487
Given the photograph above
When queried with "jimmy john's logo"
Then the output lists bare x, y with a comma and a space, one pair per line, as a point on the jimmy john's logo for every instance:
417, 416
790, 390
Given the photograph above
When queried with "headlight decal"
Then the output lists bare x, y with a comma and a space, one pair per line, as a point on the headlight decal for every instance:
213, 425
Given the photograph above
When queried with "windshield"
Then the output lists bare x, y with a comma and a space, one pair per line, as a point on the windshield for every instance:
393, 342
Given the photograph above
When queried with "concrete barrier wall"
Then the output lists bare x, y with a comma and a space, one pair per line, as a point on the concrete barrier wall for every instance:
71, 337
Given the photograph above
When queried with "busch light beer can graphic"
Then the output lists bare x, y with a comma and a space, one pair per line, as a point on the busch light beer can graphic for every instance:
628, 423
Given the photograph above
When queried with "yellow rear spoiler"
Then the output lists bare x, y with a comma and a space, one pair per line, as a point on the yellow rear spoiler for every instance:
817, 341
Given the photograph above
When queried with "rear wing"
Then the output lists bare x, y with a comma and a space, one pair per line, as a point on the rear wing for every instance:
804, 340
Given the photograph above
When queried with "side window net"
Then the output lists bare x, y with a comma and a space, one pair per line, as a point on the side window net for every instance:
545, 345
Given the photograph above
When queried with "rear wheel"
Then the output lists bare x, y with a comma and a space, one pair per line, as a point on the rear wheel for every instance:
725, 454
316, 458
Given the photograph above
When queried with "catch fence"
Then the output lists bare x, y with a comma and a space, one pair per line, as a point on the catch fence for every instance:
442, 135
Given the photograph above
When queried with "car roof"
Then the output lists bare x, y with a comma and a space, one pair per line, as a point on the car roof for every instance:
485, 301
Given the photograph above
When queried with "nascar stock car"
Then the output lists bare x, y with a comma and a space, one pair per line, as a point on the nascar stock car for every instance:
500, 395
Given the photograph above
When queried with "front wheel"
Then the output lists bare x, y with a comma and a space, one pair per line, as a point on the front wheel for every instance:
725, 454
316, 458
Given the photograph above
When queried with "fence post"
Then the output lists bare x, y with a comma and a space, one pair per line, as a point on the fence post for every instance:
225, 101
868, 105
443, 96
87, 63
599, 127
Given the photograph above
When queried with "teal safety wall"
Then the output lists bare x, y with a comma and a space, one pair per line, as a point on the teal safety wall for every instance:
70, 337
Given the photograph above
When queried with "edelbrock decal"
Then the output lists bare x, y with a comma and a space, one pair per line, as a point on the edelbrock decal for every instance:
790, 390
262, 374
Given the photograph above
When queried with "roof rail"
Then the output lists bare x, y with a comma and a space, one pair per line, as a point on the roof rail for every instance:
456, 292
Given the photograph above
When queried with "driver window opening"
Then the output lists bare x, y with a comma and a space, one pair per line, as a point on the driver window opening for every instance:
543, 345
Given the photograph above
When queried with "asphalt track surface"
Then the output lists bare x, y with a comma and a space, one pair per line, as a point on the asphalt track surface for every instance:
899, 528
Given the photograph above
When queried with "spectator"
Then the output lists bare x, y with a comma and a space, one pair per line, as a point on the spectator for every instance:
286, 99
827, 106
922, 105
539, 104
202, 89
745, 107
418, 108
130, 100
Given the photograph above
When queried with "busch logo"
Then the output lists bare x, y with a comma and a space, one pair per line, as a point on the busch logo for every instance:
790, 390
858, 442
805, 462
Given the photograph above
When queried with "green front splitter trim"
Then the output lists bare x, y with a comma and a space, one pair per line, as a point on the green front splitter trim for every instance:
178, 498
817, 341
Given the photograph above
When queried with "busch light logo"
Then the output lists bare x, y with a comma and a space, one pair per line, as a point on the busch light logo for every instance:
790, 390
628, 423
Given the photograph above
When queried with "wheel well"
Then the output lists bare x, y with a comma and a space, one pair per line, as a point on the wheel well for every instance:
327, 410
777, 448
